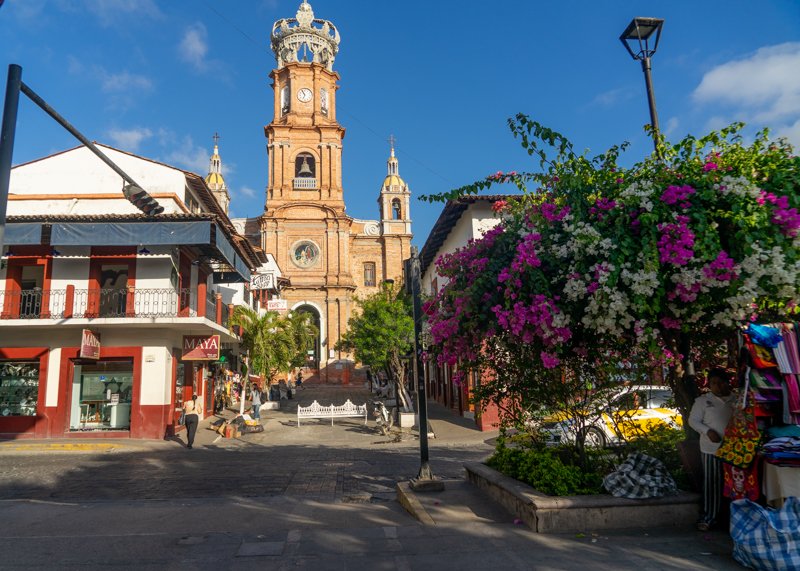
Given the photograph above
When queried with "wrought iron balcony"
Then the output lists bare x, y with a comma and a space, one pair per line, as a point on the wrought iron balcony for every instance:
109, 303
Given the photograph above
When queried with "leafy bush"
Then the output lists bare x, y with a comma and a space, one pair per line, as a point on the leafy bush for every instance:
661, 442
551, 471
557, 471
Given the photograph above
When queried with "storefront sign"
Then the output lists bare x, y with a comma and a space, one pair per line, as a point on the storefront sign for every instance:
200, 348
90, 344
263, 281
277, 305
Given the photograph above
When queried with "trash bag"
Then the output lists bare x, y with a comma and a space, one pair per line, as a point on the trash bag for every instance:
764, 538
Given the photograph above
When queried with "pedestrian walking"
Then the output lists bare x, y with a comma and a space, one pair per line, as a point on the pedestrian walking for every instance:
255, 397
299, 382
191, 411
709, 417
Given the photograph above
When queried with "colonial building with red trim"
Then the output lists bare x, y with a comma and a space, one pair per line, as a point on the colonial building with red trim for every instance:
101, 306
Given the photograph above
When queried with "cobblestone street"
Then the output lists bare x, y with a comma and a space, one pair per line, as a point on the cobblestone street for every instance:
347, 461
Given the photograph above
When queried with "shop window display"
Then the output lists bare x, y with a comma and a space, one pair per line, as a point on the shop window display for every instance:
19, 388
102, 394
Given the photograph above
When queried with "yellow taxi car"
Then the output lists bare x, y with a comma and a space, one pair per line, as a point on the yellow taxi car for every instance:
631, 412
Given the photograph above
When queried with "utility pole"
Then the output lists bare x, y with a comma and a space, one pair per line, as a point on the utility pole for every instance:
9, 129
425, 480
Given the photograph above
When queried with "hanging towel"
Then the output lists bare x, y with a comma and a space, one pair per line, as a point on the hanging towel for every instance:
790, 346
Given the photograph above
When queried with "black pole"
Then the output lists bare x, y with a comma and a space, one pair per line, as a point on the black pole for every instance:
425, 480
75, 133
651, 100
9, 129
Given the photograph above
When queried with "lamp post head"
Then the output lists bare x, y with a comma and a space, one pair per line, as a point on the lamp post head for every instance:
636, 37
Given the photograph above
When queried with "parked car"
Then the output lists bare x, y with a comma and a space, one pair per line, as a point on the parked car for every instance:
631, 411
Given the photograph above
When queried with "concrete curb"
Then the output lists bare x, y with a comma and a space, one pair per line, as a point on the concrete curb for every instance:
558, 514
408, 499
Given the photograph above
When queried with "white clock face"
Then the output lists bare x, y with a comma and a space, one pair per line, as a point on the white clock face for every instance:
304, 95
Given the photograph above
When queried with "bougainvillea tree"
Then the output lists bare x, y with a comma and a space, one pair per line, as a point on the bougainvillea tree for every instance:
597, 266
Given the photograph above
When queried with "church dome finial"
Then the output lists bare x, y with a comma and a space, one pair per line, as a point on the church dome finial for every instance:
295, 39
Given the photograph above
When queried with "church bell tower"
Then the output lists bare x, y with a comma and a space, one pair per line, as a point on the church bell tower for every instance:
304, 141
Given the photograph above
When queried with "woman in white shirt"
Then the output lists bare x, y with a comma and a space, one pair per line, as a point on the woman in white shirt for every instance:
709, 417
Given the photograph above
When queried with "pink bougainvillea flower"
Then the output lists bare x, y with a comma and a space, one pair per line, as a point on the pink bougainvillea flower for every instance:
499, 205
710, 166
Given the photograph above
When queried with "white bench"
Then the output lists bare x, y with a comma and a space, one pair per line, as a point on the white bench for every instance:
348, 409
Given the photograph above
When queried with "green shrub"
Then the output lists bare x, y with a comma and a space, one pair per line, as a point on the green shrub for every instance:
545, 470
661, 442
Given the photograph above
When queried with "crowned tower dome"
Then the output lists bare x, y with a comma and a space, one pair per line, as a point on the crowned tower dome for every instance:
295, 39
393, 170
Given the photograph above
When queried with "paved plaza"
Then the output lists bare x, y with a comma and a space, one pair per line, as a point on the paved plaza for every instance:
315, 497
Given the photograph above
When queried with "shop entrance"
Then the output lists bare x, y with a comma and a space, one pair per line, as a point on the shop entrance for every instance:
102, 393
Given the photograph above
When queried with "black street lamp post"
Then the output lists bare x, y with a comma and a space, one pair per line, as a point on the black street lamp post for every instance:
636, 39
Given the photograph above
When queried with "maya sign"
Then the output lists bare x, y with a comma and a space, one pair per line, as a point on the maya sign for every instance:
90, 344
277, 305
200, 348
262, 281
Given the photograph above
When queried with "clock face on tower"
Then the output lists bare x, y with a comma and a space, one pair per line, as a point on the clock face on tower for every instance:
304, 95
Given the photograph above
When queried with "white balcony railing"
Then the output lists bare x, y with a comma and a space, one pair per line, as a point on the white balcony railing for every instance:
304, 183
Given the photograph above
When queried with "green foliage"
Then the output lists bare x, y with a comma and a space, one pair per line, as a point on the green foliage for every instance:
382, 331
275, 343
548, 470
662, 443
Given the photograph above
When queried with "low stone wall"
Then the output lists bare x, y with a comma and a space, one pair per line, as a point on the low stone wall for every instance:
557, 514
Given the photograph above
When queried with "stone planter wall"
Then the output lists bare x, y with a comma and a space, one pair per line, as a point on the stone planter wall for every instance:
557, 514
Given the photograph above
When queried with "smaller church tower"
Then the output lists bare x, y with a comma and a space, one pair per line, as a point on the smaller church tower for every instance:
394, 200
214, 178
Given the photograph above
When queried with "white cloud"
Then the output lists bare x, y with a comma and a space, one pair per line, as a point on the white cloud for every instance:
247, 191
125, 82
671, 126
612, 96
194, 46
129, 139
189, 156
110, 12
762, 88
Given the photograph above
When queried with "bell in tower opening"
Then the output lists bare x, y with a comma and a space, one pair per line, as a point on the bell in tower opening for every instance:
304, 166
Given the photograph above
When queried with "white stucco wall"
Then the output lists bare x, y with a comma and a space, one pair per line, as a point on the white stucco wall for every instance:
79, 172
475, 221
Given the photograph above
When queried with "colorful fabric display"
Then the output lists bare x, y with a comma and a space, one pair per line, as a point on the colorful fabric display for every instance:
765, 379
741, 483
786, 352
764, 335
761, 356
740, 443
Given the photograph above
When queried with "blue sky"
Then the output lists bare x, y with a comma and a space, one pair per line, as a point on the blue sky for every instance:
159, 77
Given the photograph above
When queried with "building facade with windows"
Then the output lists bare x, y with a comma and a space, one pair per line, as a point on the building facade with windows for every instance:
109, 318
328, 256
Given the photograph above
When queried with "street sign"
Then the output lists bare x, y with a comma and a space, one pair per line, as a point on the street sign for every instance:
277, 305
90, 344
263, 281
200, 348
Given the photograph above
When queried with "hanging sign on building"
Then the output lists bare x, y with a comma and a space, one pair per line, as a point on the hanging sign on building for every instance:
90, 344
277, 305
200, 348
263, 281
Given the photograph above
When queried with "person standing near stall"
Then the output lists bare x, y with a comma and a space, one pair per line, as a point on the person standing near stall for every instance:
709, 417
191, 411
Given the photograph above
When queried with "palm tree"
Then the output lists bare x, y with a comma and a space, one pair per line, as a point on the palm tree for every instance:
274, 343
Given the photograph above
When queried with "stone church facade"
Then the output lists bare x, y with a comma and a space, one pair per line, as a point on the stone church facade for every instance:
329, 258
